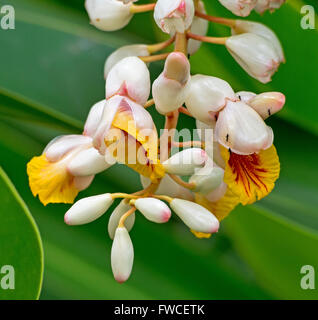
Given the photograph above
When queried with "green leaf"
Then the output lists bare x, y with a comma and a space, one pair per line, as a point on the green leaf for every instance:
21, 245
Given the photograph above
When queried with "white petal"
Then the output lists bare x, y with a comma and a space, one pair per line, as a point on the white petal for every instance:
82, 183
244, 26
170, 89
206, 96
195, 216
122, 255
241, 129
153, 209
245, 96
119, 211
129, 77
217, 193
255, 54
186, 161
133, 50
108, 15
88, 209
60, 146
174, 15
239, 7
93, 118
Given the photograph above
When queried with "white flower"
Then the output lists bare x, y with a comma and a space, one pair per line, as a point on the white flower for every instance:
114, 218
170, 89
200, 27
134, 50
241, 129
93, 118
239, 7
129, 77
174, 15
244, 26
255, 54
263, 5
185, 162
153, 209
206, 96
217, 193
108, 15
122, 255
195, 216
88, 209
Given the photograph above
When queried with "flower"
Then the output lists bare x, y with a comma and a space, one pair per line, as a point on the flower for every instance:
263, 5
109, 15
255, 54
174, 15
170, 89
239, 7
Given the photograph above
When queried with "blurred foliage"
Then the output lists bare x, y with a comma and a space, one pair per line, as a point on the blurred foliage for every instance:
51, 74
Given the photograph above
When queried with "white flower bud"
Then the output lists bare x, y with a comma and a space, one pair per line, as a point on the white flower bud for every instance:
87, 162
134, 50
245, 96
122, 255
263, 5
119, 211
108, 15
195, 216
129, 77
255, 54
83, 182
200, 27
93, 118
267, 103
174, 15
239, 7
207, 179
217, 193
170, 89
206, 96
185, 162
88, 209
169, 188
153, 209
241, 129
244, 26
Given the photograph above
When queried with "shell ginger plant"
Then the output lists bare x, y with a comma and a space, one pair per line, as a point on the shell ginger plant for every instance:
233, 161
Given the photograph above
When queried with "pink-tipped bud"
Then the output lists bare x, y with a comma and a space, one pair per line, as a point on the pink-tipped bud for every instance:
267, 103
185, 162
239, 7
195, 216
88, 209
153, 209
122, 255
170, 89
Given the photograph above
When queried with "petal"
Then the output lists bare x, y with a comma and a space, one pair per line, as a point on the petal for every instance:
93, 118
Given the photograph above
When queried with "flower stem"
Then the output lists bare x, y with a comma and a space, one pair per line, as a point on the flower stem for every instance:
156, 57
124, 195
215, 40
125, 216
162, 197
135, 8
152, 48
188, 144
220, 20
181, 43
149, 103
182, 183
185, 111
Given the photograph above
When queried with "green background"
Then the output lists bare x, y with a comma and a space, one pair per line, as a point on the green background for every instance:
51, 72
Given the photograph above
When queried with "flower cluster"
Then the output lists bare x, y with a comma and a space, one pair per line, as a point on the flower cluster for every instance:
233, 161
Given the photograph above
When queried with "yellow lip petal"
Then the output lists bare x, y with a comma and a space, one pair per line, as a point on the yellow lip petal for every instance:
251, 177
51, 181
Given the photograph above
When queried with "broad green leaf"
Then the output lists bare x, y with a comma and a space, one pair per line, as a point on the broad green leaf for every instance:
20, 246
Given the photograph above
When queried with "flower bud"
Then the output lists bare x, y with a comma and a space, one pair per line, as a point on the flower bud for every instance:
267, 103
244, 26
217, 193
239, 7
245, 96
119, 211
153, 209
255, 54
263, 5
170, 89
241, 129
108, 15
185, 162
174, 15
206, 96
122, 255
207, 179
129, 77
200, 27
134, 50
195, 216
88, 209
93, 118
